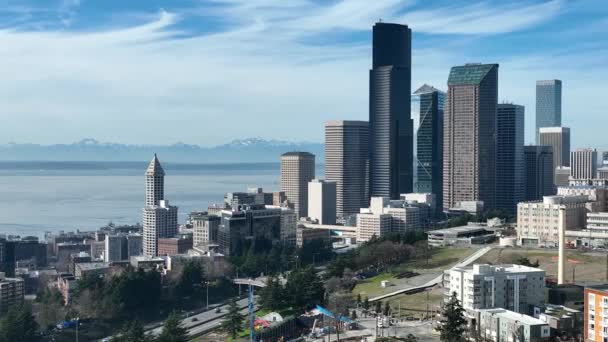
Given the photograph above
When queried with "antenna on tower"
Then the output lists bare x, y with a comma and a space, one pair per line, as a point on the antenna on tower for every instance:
379, 20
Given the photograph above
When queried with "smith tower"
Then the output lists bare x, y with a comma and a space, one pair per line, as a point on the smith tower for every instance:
390, 123
159, 218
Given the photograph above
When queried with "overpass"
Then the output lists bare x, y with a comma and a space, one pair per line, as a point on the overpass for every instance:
258, 282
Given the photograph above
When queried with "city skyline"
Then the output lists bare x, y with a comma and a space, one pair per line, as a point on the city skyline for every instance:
137, 78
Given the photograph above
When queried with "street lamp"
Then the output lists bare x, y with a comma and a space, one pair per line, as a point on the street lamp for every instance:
207, 286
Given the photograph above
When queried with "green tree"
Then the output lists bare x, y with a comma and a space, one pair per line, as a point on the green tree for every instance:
303, 289
19, 325
192, 275
353, 315
173, 331
387, 309
272, 296
233, 323
132, 331
358, 298
453, 324
410, 338
378, 307
366, 303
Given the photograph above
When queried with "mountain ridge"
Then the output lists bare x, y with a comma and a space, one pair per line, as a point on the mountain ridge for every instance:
254, 149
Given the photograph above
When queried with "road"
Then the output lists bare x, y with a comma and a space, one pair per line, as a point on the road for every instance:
204, 321
438, 279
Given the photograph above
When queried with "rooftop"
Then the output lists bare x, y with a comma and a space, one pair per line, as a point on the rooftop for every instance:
488, 269
469, 228
553, 130
154, 168
513, 316
92, 266
469, 74
425, 89
297, 154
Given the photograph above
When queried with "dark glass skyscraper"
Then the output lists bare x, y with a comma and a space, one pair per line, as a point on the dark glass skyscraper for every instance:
391, 127
510, 164
539, 171
427, 115
548, 104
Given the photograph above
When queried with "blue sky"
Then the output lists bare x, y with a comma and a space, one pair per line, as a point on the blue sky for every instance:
206, 72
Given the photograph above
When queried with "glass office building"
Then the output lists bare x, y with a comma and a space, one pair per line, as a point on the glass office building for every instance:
548, 104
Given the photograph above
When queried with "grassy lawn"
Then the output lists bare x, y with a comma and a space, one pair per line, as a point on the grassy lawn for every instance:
589, 266
439, 259
416, 304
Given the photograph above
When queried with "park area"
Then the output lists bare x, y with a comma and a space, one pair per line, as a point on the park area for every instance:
413, 273
585, 266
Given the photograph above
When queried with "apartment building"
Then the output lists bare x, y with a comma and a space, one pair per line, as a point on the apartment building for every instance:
11, 292
513, 287
595, 327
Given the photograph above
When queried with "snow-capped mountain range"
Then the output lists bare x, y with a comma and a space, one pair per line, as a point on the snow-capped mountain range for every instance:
254, 149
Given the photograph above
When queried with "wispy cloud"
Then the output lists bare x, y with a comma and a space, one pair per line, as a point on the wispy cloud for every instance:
258, 70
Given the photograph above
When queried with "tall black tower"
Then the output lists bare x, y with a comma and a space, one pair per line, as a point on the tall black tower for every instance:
391, 126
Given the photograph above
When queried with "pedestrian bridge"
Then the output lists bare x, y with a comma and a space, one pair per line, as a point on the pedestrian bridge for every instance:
258, 282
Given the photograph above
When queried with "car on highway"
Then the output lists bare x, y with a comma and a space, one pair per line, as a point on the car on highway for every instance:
194, 319
218, 310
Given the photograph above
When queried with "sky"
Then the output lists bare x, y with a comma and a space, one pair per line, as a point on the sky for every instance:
209, 71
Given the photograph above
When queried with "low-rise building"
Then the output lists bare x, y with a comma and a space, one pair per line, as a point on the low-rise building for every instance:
502, 325
513, 287
12, 292
205, 228
595, 235
305, 235
147, 262
465, 235
174, 245
539, 222
90, 269
66, 284
562, 320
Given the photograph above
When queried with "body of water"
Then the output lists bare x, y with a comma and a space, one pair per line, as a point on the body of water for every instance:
50, 196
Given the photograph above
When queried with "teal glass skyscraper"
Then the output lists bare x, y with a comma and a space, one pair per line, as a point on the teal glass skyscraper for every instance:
427, 114
548, 104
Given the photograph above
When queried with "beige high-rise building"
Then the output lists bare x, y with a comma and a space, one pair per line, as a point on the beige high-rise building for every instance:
469, 143
297, 169
583, 163
559, 139
347, 164
159, 218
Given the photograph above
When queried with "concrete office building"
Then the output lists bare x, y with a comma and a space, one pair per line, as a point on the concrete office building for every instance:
562, 176
469, 128
596, 234
583, 163
113, 248
502, 325
559, 139
548, 105
12, 292
297, 169
370, 225
539, 172
510, 163
205, 229
513, 287
347, 164
390, 122
539, 223
385, 216
322, 201
159, 218
427, 112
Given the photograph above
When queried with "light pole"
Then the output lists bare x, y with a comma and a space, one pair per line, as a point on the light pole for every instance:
77, 324
207, 285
